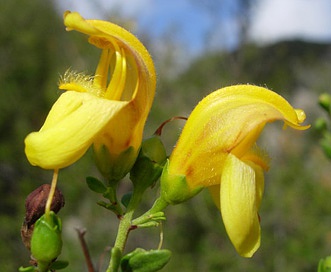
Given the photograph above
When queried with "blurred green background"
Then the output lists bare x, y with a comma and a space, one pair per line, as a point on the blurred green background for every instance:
35, 50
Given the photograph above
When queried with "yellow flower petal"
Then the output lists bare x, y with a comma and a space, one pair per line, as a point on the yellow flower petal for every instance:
123, 131
259, 179
108, 109
215, 189
239, 204
70, 128
104, 34
133, 79
228, 120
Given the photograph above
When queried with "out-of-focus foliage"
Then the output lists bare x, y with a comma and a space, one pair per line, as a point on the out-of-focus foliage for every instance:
295, 213
324, 265
322, 124
27, 67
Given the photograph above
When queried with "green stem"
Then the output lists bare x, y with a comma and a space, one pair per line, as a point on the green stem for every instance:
112, 196
159, 205
123, 232
43, 266
122, 235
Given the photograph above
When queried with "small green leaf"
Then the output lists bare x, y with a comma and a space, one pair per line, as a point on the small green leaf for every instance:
326, 145
149, 224
27, 269
145, 261
109, 194
58, 265
152, 220
109, 207
125, 262
95, 185
126, 199
106, 205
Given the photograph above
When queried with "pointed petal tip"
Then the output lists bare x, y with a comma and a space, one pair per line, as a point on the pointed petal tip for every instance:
74, 21
301, 117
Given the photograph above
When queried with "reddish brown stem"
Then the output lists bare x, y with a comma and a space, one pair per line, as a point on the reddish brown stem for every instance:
159, 130
86, 252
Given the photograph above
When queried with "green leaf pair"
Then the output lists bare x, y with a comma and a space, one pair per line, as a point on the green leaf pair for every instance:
97, 186
108, 193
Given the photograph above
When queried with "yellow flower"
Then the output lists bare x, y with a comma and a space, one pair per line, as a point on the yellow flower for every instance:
108, 110
217, 150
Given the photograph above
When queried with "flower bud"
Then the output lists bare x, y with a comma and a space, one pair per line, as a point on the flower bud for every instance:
325, 102
46, 241
149, 164
326, 145
174, 188
320, 124
324, 264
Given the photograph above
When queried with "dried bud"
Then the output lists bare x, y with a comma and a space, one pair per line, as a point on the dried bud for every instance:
36, 201
35, 207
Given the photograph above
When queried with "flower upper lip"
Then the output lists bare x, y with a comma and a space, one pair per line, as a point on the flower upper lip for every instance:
229, 120
109, 109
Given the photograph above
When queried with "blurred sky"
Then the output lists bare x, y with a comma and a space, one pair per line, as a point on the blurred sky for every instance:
194, 22
284, 19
